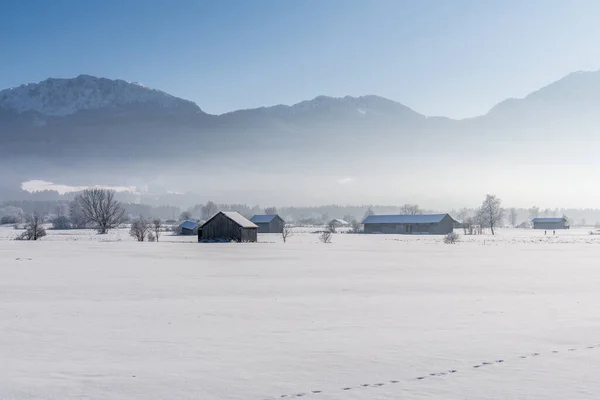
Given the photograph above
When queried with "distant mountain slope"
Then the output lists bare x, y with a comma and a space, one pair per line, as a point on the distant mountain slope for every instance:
89, 120
573, 96
63, 97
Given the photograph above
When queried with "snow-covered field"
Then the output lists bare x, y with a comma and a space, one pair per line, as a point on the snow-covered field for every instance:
513, 316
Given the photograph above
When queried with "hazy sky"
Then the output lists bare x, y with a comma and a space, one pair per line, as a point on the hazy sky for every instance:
453, 58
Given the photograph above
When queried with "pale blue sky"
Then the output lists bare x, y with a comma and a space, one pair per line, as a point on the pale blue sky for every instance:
452, 58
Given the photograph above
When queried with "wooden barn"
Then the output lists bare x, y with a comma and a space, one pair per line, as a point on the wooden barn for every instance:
271, 223
228, 226
432, 224
189, 227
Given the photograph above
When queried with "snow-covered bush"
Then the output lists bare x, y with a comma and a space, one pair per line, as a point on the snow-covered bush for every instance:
9, 219
61, 222
452, 238
34, 228
325, 237
140, 228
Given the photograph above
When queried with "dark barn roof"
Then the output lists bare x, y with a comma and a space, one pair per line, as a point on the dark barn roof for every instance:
191, 225
548, 220
263, 219
404, 219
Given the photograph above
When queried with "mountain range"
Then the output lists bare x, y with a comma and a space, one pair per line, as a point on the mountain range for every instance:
58, 127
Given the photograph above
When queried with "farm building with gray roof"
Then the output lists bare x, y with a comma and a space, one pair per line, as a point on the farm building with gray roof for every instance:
431, 224
270, 223
550, 223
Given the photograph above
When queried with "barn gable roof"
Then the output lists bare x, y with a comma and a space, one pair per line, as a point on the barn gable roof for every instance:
189, 225
405, 219
236, 217
548, 220
264, 219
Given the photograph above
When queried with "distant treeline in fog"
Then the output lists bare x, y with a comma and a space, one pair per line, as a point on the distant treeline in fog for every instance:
39, 202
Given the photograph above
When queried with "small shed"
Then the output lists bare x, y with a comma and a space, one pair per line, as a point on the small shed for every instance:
550, 223
270, 223
431, 224
189, 227
228, 226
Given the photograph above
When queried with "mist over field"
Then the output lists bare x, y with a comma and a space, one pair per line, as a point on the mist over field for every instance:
367, 150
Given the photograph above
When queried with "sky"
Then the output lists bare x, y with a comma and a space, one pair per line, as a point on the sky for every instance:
451, 58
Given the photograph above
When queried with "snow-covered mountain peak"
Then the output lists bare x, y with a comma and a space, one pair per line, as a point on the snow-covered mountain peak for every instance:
62, 97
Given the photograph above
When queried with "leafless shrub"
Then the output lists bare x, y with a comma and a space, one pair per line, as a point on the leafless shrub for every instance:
286, 232
325, 237
61, 222
34, 227
452, 238
9, 219
156, 228
140, 228
151, 237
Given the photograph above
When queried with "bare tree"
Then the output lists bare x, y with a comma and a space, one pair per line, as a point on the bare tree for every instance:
140, 229
61, 210
186, 215
512, 216
470, 226
100, 207
491, 213
209, 210
271, 210
355, 225
410, 209
156, 228
286, 232
534, 212
76, 216
479, 222
34, 227
368, 213
463, 214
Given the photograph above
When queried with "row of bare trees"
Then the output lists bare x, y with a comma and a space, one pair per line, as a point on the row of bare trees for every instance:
96, 207
144, 229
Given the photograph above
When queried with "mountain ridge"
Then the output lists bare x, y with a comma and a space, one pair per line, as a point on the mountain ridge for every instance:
60, 97
92, 93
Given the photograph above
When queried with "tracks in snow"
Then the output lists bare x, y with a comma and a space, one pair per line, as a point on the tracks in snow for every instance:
434, 375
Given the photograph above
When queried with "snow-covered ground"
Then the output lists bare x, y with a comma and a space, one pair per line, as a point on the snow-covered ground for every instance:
365, 317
